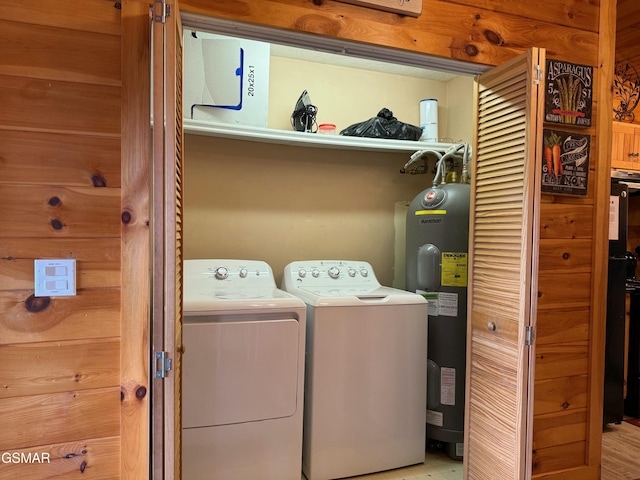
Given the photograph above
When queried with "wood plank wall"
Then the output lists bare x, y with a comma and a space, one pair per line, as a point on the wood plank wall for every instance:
627, 36
135, 393
627, 39
570, 309
60, 190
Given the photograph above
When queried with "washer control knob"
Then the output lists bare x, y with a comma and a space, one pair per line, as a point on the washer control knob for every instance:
315, 272
364, 272
352, 272
302, 273
222, 273
334, 272
243, 273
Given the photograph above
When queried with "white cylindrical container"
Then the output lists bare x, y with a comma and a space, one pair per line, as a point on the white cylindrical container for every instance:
429, 119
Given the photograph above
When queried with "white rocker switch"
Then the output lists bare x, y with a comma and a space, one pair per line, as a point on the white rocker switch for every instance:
55, 278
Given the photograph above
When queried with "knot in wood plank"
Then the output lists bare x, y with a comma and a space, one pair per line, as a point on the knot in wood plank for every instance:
141, 392
98, 181
57, 224
471, 50
493, 37
37, 304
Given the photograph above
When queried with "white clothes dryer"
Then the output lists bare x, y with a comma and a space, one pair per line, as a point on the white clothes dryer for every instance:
365, 379
242, 373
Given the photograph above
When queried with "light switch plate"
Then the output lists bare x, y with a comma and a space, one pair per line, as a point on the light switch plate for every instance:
55, 278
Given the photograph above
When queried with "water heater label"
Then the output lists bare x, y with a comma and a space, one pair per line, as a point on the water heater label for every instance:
447, 386
454, 269
448, 304
441, 303
432, 300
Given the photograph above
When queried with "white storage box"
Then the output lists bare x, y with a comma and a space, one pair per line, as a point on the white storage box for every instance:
226, 79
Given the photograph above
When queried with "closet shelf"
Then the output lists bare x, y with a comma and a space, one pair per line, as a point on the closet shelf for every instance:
302, 139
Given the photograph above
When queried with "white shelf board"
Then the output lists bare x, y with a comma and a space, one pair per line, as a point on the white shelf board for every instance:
302, 139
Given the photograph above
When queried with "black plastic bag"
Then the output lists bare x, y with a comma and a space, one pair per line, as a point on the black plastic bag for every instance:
303, 118
385, 125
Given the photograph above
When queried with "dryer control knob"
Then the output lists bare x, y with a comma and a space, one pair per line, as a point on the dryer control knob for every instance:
352, 272
315, 272
334, 272
222, 273
364, 272
302, 273
243, 273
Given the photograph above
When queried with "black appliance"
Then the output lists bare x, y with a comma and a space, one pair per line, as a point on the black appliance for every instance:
613, 404
632, 400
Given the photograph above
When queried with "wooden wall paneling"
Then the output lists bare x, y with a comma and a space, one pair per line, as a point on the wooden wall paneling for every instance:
61, 356
135, 214
458, 32
628, 23
559, 361
30, 158
555, 395
37, 368
557, 290
101, 16
95, 459
558, 221
581, 14
91, 314
43, 211
97, 260
559, 458
563, 325
602, 186
88, 57
560, 429
445, 29
565, 255
569, 202
44, 104
590, 472
44, 419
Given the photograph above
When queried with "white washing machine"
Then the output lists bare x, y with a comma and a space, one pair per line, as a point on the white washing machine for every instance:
242, 373
365, 379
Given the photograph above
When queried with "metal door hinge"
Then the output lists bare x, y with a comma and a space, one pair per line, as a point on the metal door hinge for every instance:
529, 336
537, 76
163, 364
161, 11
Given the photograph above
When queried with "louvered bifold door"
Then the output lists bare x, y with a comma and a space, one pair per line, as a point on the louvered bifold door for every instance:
167, 176
174, 162
502, 282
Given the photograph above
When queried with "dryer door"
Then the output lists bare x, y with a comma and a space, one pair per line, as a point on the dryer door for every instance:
237, 370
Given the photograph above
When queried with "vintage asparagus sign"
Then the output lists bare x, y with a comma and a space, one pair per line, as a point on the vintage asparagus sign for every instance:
568, 97
565, 163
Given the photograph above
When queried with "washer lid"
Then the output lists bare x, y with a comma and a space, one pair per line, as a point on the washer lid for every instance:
210, 301
354, 296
